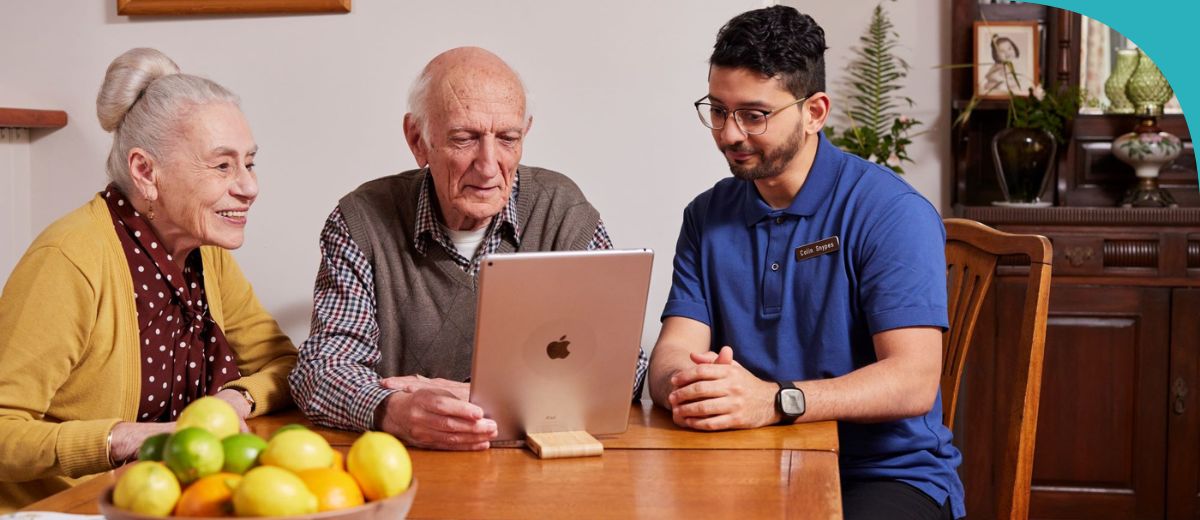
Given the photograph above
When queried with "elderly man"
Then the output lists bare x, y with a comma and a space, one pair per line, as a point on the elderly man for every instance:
811, 285
394, 317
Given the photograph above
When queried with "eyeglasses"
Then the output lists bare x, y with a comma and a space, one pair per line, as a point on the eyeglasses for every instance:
751, 121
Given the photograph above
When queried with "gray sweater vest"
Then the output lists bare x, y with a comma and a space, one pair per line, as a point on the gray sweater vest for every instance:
425, 304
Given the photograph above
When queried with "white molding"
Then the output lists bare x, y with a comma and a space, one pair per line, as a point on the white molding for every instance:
16, 194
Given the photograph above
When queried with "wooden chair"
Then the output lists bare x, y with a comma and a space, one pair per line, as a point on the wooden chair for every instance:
972, 252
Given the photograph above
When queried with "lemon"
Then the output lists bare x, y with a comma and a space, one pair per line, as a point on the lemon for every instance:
211, 414
147, 488
297, 450
271, 491
288, 428
380, 464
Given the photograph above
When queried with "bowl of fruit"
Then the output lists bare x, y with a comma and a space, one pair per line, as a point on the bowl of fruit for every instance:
207, 469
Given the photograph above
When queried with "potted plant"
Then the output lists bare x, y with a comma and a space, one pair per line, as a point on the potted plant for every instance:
876, 131
1024, 151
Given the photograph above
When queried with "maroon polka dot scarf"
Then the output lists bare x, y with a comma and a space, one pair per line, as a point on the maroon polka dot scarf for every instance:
184, 353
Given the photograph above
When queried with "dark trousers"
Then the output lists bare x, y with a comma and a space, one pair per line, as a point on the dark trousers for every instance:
891, 500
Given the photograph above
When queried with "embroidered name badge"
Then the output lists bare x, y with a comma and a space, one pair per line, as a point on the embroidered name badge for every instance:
818, 248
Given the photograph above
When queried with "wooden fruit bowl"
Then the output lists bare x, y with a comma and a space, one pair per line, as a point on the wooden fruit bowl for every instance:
395, 507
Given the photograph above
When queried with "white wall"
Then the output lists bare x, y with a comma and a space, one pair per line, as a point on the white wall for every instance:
612, 84
15, 196
924, 29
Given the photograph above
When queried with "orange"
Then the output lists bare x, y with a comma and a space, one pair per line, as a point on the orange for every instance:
338, 462
209, 496
335, 489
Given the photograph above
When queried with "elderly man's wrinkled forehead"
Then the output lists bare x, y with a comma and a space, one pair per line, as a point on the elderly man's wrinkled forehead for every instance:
473, 79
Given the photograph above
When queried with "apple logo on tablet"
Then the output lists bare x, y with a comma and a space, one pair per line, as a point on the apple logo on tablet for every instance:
558, 349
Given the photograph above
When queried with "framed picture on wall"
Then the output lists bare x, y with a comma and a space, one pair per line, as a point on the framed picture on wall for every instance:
1006, 58
187, 7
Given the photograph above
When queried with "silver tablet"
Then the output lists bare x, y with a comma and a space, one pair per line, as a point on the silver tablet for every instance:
556, 340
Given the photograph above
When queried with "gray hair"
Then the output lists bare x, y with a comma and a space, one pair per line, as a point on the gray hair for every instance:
418, 100
141, 101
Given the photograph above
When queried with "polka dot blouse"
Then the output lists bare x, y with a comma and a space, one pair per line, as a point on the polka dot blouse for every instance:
184, 353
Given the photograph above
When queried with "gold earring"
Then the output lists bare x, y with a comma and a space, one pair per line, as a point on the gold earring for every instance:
150, 213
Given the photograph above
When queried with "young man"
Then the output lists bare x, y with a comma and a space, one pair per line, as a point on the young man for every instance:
811, 285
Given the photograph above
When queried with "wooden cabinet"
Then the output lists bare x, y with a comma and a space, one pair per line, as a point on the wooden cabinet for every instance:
1183, 419
1119, 425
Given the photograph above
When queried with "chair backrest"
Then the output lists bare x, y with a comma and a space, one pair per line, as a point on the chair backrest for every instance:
972, 252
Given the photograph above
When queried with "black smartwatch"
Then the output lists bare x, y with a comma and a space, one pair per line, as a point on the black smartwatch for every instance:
789, 402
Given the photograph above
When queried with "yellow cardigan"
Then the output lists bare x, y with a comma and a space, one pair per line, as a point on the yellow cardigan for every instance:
70, 360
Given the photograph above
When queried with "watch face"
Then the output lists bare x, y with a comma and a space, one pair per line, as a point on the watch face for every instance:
792, 402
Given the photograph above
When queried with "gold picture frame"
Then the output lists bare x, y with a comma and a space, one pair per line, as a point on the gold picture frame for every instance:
193, 7
999, 46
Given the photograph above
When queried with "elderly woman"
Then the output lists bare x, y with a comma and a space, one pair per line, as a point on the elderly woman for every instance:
130, 307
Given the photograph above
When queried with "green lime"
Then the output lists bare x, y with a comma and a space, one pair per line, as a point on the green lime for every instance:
193, 453
241, 451
289, 427
152, 447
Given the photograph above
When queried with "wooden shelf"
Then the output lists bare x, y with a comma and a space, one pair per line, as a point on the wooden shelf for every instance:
984, 104
28, 118
1081, 215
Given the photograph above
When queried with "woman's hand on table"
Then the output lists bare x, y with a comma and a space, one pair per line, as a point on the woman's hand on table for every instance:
127, 438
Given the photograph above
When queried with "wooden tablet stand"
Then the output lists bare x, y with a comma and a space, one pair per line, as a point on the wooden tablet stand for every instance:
560, 445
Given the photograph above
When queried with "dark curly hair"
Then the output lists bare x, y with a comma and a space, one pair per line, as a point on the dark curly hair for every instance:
776, 41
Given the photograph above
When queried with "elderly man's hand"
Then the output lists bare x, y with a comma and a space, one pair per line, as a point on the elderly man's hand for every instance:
413, 383
719, 394
432, 417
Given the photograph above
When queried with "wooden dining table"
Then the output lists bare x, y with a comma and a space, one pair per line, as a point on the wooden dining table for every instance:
653, 470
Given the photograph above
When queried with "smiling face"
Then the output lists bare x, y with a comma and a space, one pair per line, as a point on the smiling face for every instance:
206, 183
473, 135
1006, 50
753, 157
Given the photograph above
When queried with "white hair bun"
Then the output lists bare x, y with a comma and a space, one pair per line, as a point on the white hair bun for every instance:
127, 79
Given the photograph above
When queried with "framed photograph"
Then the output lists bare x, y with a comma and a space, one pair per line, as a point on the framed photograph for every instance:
187, 7
1006, 58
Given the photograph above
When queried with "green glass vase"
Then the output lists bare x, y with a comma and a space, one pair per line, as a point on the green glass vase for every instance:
1114, 87
1148, 89
1024, 160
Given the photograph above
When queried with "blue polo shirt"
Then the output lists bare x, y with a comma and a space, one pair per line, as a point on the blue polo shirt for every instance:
794, 307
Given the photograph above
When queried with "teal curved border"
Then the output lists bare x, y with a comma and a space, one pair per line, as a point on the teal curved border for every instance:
1163, 29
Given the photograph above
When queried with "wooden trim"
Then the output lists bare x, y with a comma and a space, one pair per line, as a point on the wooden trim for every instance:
192, 7
994, 215
28, 118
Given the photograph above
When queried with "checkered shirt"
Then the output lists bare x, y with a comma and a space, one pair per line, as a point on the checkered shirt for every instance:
334, 381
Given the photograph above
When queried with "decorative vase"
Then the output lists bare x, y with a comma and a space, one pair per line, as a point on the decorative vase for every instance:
1114, 87
1147, 88
1147, 149
1024, 158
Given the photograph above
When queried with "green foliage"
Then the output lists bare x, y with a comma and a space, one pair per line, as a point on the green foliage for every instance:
1045, 110
1050, 110
877, 132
